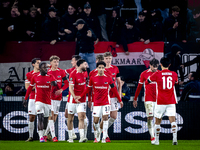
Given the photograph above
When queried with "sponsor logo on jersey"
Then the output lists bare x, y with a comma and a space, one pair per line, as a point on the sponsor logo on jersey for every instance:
59, 81
82, 83
100, 87
43, 86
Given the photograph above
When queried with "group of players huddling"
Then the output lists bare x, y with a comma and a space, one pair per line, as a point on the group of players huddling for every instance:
103, 86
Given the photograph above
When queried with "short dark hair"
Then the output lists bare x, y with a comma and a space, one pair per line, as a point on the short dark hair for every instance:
80, 61
33, 61
154, 62
42, 63
100, 57
107, 54
77, 57
10, 85
165, 62
176, 8
101, 63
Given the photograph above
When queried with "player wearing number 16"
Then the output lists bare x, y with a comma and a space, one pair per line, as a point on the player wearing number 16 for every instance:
165, 98
100, 84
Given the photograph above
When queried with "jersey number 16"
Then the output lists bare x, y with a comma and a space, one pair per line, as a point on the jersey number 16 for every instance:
169, 82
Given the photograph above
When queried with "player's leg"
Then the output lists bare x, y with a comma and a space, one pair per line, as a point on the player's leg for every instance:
66, 117
149, 107
32, 114
97, 113
71, 112
85, 126
105, 112
171, 112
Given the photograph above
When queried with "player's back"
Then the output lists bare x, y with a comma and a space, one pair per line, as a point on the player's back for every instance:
166, 80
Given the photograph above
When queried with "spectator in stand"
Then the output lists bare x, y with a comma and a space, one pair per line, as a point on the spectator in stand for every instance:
33, 25
195, 60
175, 30
176, 62
91, 20
98, 9
5, 7
144, 27
85, 43
114, 26
193, 24
14, 25
129, 34
9, 89
156, 26
125, 91
67, 30
50, 27
191, 90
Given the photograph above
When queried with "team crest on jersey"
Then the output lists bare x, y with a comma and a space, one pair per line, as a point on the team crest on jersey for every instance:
113, 74
71, 79
59, 76
105, 82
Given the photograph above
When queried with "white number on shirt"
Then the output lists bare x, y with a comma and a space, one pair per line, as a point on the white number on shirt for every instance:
169, 82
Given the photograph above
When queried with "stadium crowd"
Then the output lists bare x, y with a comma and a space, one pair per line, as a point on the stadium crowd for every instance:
52, 20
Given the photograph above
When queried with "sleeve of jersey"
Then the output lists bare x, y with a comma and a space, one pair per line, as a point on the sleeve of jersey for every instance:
86, 91
71, 79
176, 81
139, 87
30, 88
118, 74
114, 90
66, 83
151, 78
27, 78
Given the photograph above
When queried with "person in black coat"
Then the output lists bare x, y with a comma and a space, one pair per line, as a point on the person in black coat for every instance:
129, 34
176, 62
114, 26
91, 20
85, 43
66, 28
156, 26
50, 27
125, 91
175, 30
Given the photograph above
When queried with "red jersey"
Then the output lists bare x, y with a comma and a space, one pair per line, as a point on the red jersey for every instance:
42, 87
100, 85
149, 89
79, 81
29, 76
94, 73
165, 81
68, 71
115, 73
58, 74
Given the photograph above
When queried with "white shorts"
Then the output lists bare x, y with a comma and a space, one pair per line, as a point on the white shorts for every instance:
114, 104
55, 106
42, 108
149, 107
31, 107
92, 107
168, 110
99, 111
66, 107
76, 108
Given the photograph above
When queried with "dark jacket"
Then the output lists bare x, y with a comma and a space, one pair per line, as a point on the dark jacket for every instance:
49, 29
93, 23
175, 60
126, 92
193, 89
66, 22
144, 28
85, 44
176, 35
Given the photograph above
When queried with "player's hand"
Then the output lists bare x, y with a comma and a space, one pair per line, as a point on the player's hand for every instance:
58, 92
24, 102
175, 25
68, 31
147, 41
134, 103
141, 40
53, 42
76, 98
89, 104
121, 104
127, 53
182, 66
89, 33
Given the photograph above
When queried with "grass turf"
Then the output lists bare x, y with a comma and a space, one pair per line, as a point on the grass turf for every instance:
114, 145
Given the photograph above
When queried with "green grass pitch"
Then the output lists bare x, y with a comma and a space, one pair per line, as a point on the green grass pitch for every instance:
114, 145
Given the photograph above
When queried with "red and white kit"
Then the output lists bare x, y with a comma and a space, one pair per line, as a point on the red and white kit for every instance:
149, 92
101, 97
42, 93
79, 81
165, 92
115, 73
31, 102
59, 75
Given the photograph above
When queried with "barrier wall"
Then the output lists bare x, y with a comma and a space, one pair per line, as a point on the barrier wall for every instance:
130, 125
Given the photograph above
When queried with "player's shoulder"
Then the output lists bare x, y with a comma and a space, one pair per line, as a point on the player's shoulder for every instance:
114, 67
92, 72
29, 73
